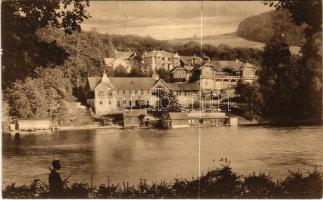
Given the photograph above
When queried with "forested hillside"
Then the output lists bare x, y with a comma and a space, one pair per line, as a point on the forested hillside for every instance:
262, 27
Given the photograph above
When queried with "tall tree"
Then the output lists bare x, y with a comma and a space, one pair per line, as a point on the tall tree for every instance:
22, 50
278, 82
310, 65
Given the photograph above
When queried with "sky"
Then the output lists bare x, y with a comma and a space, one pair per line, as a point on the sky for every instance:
170, 19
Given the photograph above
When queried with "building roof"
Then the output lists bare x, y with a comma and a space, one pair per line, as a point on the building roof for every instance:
178, 68
234, 65
135, 113
161, 53
93, 82
178, 115
108, 61
125, 54
184, 86
125, 83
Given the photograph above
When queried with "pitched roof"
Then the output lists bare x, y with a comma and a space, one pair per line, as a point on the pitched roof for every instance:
184, 86
125, 83
177, 68
125, 54
178, 115
235, 65
93, 82
108, 61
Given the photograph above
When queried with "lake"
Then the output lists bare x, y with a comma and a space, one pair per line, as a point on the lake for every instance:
118, 155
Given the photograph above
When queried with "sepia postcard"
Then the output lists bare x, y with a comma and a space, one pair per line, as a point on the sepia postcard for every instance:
161, 99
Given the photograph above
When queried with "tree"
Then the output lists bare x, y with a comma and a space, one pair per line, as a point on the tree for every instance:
136, 72
40, 97
167, 102
163, 74
278, 82
308, 12
250, 99
120, 71
310, 64
22, 51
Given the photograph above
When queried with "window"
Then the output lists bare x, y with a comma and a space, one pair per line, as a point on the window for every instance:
109, 102
100, 102
110, 94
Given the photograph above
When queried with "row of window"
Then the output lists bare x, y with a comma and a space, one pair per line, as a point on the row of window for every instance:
120, 92
165, 58
183, 93
124, 102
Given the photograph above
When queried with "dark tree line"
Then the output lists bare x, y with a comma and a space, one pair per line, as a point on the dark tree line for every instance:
291, 86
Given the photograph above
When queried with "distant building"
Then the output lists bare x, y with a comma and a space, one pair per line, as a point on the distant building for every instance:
134, 118
180, 74
189, 62
115, 94
175, 120
186, 93
32, 125
123, 59
215, 75
155, 60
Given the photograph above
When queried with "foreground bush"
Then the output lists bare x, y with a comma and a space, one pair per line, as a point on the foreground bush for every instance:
218, 183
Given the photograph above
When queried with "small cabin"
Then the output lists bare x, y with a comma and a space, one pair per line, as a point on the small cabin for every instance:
32, 125
134, 118
175, 120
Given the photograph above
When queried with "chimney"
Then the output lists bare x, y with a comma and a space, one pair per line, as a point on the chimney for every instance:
105, 77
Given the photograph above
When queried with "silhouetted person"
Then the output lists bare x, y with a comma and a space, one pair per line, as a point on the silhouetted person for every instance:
55, 181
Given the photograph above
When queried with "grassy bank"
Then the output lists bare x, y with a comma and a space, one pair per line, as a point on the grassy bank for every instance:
219, 183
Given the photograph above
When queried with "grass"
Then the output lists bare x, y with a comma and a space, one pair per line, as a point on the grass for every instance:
218, 183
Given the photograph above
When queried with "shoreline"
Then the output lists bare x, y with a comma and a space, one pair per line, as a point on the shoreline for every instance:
93, 127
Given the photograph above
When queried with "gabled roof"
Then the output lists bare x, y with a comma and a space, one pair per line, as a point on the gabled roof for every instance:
177, 68
93, 82
133, 83
184, 86
234, 65
178, 115
125, 54
108, 61
125, 83
248, 65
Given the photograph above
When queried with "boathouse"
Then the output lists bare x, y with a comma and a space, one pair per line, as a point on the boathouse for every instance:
32, 125
175, 120
134, 118
208, 119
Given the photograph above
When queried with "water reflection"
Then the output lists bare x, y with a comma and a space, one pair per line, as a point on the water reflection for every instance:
128, 155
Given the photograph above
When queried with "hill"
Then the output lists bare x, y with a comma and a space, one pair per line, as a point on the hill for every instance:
231, 40
262, 27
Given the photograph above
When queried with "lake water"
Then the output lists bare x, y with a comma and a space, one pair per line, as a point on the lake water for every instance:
128, 155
